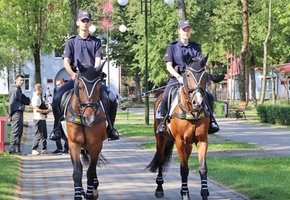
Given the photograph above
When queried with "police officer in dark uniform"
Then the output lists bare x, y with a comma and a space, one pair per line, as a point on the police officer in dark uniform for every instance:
88, 50
175, 59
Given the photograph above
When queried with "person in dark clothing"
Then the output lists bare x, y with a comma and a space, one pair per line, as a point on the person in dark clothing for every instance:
59, 150
86, 49
175, 59
15, 114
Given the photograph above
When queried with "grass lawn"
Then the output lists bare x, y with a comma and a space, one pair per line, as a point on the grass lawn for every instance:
216, 146
257, 178
9, 173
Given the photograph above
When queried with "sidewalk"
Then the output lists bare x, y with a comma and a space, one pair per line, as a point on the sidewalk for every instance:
123, 178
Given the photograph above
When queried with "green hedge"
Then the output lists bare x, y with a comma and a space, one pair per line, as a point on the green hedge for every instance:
4, 99
219, 108
274, 114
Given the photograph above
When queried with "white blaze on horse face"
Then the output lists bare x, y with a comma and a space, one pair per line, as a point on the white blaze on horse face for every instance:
89, 120
198, 99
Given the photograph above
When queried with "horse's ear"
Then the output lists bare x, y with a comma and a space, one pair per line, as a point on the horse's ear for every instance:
204, 59
101, 66
80, 66
188, 58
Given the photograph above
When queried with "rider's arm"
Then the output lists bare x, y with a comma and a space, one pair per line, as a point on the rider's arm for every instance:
171, 70
98, 61
66, 63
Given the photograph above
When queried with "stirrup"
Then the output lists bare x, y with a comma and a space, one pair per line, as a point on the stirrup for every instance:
213, 128
55, 135
113, 135
161, 127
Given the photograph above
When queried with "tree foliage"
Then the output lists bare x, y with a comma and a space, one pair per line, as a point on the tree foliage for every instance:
39, 26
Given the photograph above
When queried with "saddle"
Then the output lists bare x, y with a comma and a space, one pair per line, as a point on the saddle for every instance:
173, 101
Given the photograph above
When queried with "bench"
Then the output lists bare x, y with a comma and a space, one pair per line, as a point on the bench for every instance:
239, 111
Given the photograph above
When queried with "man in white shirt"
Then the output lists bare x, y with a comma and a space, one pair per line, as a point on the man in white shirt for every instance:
39, 118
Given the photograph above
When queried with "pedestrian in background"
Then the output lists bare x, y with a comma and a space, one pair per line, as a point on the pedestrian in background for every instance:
40, 112
15, 113
59, 150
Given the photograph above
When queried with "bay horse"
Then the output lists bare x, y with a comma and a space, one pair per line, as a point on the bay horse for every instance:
188, 123
85, 123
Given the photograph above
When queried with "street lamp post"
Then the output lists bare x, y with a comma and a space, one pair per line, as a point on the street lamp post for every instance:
145, 10
122, 29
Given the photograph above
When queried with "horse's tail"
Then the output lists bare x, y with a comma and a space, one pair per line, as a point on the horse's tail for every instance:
86, 158
102, 160
154, 164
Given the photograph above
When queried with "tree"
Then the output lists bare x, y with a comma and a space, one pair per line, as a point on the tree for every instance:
39, 26
245, 23
265, 53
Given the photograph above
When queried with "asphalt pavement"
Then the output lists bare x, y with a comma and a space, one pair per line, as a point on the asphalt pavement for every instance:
125, 177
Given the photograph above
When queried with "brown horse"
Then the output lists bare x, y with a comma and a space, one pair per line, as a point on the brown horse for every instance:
86, 129
188, 123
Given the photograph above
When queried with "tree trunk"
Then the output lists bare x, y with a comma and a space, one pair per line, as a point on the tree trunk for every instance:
37, 63
137, 79
273, 87
181, 10
253, 78
75, 8
242, 77
265, 55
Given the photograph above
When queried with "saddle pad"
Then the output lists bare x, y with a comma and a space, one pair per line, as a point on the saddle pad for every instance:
172, 107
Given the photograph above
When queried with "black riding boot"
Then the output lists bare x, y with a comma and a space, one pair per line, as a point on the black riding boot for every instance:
112, 132
55, 135
213, 126
161, 127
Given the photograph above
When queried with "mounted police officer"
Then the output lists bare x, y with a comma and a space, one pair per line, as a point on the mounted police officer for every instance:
88, 50
175, 59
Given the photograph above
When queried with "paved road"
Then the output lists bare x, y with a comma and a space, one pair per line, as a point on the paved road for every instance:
124, 177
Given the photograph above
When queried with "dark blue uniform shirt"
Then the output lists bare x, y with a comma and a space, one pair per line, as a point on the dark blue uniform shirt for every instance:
176, 52
84, 50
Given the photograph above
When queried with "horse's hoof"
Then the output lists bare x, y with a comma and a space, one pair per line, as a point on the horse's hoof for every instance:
159, 194
185, 197
96, 194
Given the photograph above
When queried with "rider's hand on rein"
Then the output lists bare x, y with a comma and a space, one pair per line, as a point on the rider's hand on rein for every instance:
180, 79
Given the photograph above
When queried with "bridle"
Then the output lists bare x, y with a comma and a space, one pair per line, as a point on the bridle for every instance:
89, 86
194, 108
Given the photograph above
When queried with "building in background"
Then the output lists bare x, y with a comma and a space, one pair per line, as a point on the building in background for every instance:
52, 68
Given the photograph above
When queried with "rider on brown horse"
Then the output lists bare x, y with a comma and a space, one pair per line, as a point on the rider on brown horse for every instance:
88, 50
175, 59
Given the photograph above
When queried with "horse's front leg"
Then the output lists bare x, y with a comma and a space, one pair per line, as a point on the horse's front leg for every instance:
202, 149
184, 150
92, 179
75, 151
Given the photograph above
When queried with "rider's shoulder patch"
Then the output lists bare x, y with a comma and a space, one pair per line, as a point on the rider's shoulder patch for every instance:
174, 42
72, 37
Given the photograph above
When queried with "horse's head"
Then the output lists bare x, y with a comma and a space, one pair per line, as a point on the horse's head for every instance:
195, 81
87, 89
